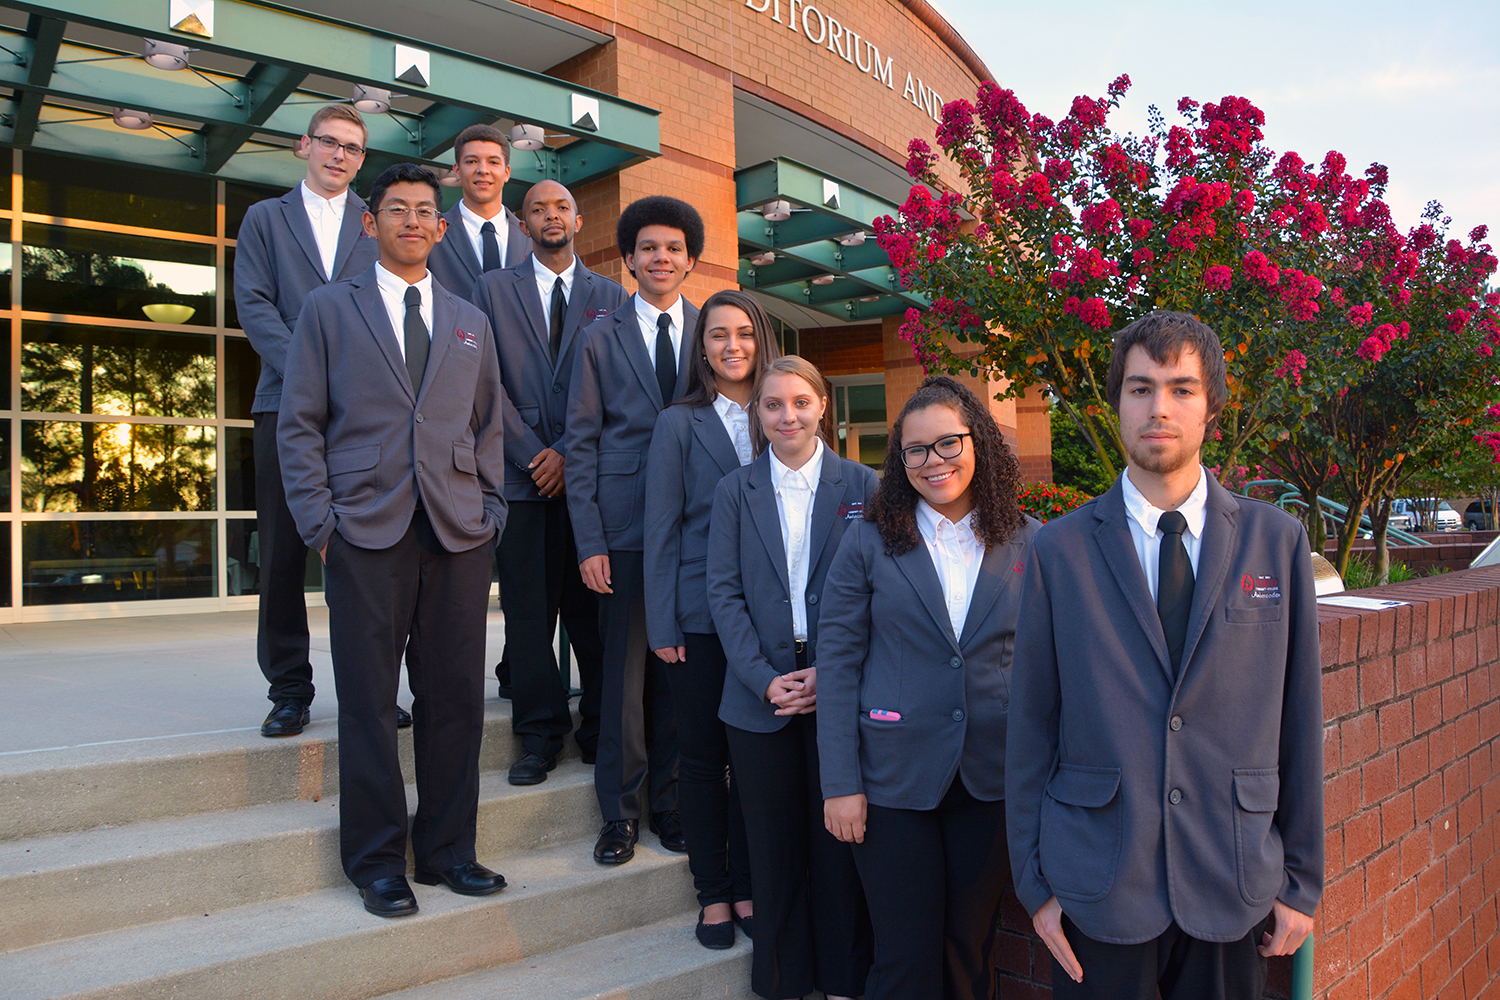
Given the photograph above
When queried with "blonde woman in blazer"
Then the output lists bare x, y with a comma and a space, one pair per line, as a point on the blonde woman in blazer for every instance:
698, 440
920, 615
776, 526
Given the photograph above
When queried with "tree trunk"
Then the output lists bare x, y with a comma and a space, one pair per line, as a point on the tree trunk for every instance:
1317, 527
1379, 518
1347, 534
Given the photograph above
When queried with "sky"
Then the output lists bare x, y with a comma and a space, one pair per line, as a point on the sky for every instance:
1415, 86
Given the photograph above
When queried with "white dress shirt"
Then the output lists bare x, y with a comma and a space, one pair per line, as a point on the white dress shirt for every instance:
327, 217
646, 314
474, 223
393, 294
795, 491
956, 555
1143, 517
545, 279
736, 420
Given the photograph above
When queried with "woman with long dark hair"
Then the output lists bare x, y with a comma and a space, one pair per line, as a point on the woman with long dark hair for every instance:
698, 439
919, 621
776, 526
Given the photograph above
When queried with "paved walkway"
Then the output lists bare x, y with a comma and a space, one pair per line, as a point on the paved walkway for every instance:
122, 687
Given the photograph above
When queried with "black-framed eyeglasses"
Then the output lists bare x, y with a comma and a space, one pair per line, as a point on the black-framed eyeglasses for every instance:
398, 213
332, 145
949, 446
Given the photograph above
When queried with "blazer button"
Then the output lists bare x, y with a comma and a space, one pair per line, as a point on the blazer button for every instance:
956, 662
1175, 796
558, 427
556, 387
419, 418
958, 715
812, 598
1176, 723
419, 466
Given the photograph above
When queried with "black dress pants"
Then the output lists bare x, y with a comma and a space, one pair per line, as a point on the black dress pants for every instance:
933, 878
812, 930
707, 797
637, 731
281, 633
539, 579
378, 601
1179, 966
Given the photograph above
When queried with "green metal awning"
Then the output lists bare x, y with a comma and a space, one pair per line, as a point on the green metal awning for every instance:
812, 267
236, 115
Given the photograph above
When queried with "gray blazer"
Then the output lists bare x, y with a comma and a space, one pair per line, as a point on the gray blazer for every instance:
1138, 800
455, 265
355, 440
887, 644
276, 263
748, 586
690, 453
536, 408
611, 415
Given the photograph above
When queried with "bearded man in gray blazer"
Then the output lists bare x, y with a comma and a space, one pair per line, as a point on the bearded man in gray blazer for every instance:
538, 310
483, 235
288, 246
1164, 761
393, 450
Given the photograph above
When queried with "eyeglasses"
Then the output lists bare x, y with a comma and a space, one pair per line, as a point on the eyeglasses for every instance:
399, 213
946, 447
332, 145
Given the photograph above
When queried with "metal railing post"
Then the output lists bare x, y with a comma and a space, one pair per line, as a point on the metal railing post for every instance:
1302, 971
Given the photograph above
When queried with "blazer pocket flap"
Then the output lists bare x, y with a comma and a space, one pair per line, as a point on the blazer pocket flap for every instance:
463, 459
618, 463
1257, 791
1090, 787
344, 460
529, 414
1265, 613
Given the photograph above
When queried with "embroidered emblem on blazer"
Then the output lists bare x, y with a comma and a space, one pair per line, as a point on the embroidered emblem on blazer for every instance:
467, 339
1262, 587
852, 511
593, 314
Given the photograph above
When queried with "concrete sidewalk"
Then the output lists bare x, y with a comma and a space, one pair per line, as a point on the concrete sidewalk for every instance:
85, 691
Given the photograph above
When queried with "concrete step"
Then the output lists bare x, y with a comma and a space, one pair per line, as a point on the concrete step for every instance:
81, 788
88, 882
661, 961
324, 946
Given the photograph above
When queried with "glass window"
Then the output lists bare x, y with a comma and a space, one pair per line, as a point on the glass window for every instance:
78, 466
239, 468
231, 314
237, 201
866, 404
92, 369
5, 564
76, 188
82, 271
5, 486
241, 373
74, 562
243, 558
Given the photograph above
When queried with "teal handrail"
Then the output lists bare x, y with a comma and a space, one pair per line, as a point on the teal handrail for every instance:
1292, 497
1302, 971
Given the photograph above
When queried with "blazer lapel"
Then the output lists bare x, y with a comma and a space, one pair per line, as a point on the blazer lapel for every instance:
628, 329
444, 318
372, 308
517, 241
531, 302
760, 497
916, 564
349, 231
685, 350
463, 247
1115, 544
826, 504
996, 571
578, 304
710, 432
1220, 532
295, 214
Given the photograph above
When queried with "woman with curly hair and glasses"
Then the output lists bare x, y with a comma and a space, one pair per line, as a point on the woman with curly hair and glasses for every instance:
919, 620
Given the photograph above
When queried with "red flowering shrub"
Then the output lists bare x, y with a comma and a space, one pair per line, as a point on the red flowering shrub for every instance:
1044, 501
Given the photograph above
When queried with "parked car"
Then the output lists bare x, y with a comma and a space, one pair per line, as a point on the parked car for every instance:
1428, 514
1478, 514
1402, 517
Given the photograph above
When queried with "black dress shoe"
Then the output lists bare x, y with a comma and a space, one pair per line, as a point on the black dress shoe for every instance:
467, 879
531, 769
588, 754
668, 826
287, 718
616, 843
747, 924
389, 897
715, 936
403, 718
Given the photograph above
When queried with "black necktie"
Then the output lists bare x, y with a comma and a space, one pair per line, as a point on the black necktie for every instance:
1174, 584
666, 358
491, 247
559, 311
417, 340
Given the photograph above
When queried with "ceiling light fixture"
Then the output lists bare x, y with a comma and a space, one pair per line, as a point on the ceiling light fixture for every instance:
372, 100
165, 55
854, 239
527, 136
777, 211
823, 279
136, 121
761, 260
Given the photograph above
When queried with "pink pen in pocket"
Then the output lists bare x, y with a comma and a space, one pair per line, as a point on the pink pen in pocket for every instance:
884, 716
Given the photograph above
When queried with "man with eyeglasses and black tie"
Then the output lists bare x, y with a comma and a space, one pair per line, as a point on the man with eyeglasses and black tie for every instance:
393, 450
286, 247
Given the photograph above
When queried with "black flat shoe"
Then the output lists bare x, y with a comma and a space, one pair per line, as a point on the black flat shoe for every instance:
531, 769
616, 843
715, 936
747, 924
287, 718
389, 897
403, 718
467, 879
668, 826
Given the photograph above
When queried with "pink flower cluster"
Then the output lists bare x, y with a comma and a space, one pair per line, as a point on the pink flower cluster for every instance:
1218, 277
1299, 293
1104, 217
1359, 316
1375, 346
1292, 366
1258, 267
1092, 311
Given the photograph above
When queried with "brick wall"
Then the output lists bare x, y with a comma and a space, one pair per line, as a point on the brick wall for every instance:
1412, 707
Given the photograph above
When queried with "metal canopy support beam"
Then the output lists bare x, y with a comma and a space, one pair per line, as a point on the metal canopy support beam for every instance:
46, 34
269, 86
